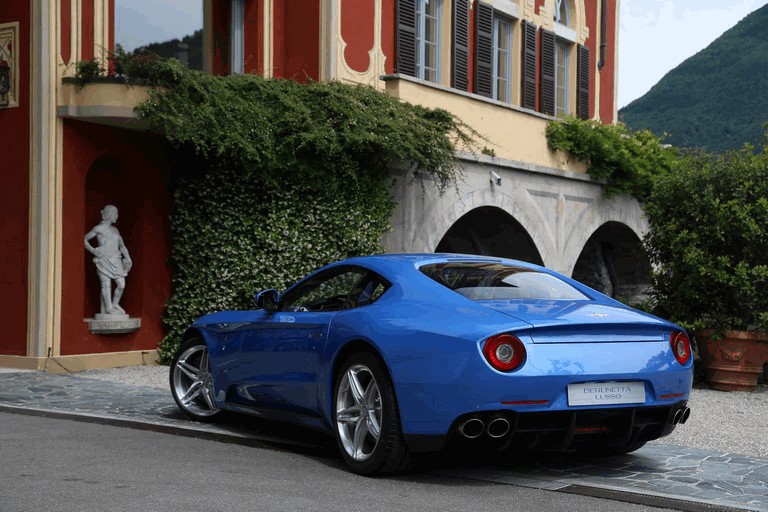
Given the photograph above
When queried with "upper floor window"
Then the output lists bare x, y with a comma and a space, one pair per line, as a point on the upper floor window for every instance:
562, 15
562, 62
502, 59
428, 51
169, 29
237, 37
493, 52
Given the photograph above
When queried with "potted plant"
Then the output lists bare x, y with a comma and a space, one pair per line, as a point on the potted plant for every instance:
709, 245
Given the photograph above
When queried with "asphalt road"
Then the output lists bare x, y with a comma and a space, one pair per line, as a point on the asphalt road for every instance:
63, 465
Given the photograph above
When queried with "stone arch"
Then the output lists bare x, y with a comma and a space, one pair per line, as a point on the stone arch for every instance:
622, 210
490, 231
518, 205
614, 261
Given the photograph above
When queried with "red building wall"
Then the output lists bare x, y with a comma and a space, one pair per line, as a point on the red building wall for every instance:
220, 23
101, 166
608, 73
254, 37
66, 30
87, 30
357, 31
388, 34
592, 42
14, 193
297, 39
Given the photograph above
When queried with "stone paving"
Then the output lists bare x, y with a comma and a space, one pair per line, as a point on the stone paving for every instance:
716, 481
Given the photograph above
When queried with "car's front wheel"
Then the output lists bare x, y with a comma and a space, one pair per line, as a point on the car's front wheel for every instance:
192, 382
367, 419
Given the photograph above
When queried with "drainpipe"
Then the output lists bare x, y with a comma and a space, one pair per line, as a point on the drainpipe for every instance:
603, 44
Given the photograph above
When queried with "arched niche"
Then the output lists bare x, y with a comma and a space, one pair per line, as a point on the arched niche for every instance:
109, 182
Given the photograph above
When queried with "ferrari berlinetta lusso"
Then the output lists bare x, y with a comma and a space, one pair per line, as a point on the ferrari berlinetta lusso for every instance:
400, 354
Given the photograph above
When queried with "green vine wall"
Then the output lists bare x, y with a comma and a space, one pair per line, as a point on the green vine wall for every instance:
272, 178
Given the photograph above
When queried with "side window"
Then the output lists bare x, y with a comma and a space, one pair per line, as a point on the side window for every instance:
367, 291
325, 292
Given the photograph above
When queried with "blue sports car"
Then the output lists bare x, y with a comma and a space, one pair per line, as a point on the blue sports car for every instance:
399, 354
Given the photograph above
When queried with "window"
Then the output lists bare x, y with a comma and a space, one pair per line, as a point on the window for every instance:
428, 19
556, 87
237, 40
497, 281
562, 15
335, 289
561, 77
502, 59
562, 47
493, 53
168, 29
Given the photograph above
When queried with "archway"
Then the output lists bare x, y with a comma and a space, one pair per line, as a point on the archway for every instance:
490, 231
614, 262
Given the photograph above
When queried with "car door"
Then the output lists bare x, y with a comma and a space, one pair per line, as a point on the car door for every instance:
281, 354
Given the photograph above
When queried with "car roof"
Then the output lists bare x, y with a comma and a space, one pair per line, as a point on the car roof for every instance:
389, 264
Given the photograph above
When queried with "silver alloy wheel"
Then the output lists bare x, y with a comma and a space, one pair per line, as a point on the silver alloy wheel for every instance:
358, 412
193, 383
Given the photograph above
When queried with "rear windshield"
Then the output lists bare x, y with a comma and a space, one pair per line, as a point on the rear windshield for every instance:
496, 281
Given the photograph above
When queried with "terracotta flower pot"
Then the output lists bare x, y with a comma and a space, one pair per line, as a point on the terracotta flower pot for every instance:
735, 361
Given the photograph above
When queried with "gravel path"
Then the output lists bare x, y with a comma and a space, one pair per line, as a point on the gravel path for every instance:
733, 422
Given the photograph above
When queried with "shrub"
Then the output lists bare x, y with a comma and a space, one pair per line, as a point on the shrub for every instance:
709, 241
626, 162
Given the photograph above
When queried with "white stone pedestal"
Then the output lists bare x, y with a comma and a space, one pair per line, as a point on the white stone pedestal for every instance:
112, 324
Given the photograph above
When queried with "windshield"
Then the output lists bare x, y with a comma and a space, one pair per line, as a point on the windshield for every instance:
497, 281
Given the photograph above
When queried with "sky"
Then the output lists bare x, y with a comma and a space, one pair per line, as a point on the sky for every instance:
655, 36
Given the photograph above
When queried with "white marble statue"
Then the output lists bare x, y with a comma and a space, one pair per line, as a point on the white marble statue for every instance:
112, 260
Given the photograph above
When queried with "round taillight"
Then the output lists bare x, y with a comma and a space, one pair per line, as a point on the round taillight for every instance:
681, 347
504, 352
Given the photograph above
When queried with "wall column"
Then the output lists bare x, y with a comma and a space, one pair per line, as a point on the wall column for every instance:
269, 38
329, 39
45, 185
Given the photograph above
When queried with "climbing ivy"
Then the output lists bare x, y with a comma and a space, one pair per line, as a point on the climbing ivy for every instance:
627, 162
273, 178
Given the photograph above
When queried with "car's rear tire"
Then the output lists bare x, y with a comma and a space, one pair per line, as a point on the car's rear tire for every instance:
192, 382
366, 417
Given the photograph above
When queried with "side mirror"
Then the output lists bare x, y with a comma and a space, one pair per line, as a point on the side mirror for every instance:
267, 300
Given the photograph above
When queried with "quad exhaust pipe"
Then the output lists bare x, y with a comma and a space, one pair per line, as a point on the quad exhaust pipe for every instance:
474, 427
498, 427
681, 415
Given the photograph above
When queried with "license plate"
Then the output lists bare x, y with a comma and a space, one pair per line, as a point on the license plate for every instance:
606, 393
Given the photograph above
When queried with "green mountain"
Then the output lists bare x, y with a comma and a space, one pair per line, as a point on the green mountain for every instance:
717, 99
